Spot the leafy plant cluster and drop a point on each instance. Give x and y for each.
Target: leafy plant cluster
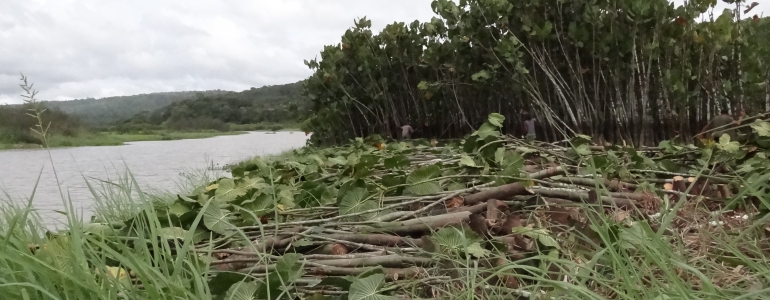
(628, 71)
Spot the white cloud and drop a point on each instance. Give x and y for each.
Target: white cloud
(95, 48)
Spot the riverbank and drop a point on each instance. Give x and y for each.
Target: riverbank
(488, 218)
(115, 139)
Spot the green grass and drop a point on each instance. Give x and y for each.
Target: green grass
(642, 263)
(114, 138)
(86, 263)
(284, 126)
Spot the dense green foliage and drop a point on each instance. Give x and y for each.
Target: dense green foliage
(269, 104)
(621, 71)
(105, 111)
(16, 124)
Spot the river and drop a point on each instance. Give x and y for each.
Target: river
(156, 165)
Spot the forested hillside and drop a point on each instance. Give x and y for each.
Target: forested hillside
(104, 111)
(269, 104)
(621, 71)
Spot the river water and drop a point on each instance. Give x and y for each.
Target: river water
(156, 165)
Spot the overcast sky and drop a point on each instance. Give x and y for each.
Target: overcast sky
(73, 49)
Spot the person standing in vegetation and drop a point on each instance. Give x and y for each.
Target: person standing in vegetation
(406, 132)
(720, 125)
(529, 127)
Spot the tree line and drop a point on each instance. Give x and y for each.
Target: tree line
(622, 71)
(266, 105)
(109, 110)
(16, 124)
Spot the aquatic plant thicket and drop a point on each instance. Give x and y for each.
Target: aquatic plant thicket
(633, 71)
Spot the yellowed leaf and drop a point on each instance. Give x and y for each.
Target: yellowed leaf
(117, 272)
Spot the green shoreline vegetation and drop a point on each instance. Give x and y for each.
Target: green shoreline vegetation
(100, 138)
(114, 121)
(68, 131)
(115, 139)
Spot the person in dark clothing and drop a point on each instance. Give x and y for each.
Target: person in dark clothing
(720, 123)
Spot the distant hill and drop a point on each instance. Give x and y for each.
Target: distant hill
(109, 110)
(268, 104)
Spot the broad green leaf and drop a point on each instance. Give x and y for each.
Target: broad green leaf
(186, 199)
(222, 282)
(477, 251)
(227, 191)
(633, 236)
(316, 159)
(172, 233)
(544, 237)
(216, 219)
(395, 162)
(260, 203)
(726, 145)
(669, 147)
(356, 201)
(496, 119)
(368, 288)
(289, 268)
(419, 181)
(98, 228)
(500, 155)
(487, 130)
(253, 183)
(203, 198)
(243, 290)
(311, 195)
(178, 209)
(467, 161)
(480, 76)
(455, 186)
(285, 196)
(457, 241)
(338, 160)
(513, 158)
(583, 150)
(762, 128)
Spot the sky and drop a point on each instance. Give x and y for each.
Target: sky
(74, 49)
